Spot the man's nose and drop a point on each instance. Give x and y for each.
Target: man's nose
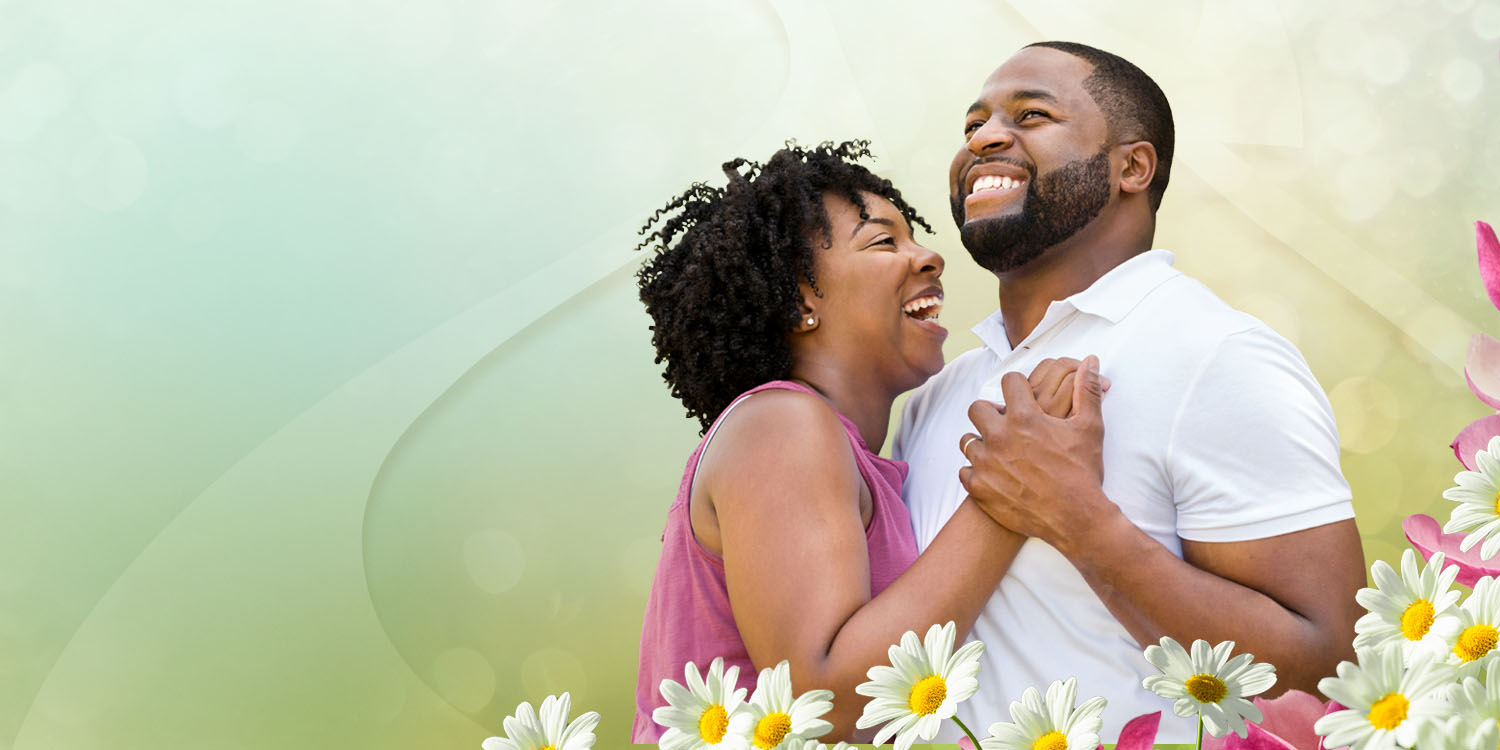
(991, 136)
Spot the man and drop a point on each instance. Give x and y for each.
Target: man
(1215, 508)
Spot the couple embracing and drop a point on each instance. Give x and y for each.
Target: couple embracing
(1065, 526)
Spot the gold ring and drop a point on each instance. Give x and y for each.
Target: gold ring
(964, 449)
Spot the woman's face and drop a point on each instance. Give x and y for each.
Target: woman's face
(881, 294)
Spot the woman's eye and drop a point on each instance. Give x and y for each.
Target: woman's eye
(891, 241)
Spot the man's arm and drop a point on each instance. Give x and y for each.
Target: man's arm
(1287, 599)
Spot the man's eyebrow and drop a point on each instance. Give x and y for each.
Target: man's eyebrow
(876, 220)
(1023, 94)
(1045, 96)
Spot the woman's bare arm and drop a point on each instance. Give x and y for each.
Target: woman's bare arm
(785, 492)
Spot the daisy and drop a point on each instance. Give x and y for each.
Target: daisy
(697, 714)
(1477, 493)
(1459, 732)
(922, 688)
(1053, 724)
(549, 731)
(1417, 610)
(1209, 684)
(1478, 700)
(773, 720)
(1479, 628)
(816, 745)
(1385, 704)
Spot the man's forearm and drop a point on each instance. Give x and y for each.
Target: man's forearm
(1153, 593)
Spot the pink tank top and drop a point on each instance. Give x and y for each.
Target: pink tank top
(687, 613)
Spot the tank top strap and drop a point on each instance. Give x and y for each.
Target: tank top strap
(690, 474)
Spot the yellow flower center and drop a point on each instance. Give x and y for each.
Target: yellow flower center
(713, 724)
(1388, 712)
(927, 695)
(1206, 688)
(547, 747)
(1416, 620)
(770, 731)
(1053, 740)
(1475, 641)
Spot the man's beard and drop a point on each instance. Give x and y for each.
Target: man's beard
(1058, 204)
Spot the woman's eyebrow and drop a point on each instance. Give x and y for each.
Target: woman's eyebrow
(873, 220)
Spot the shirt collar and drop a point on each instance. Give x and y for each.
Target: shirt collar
(1111, 297)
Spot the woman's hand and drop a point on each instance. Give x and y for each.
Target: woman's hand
(1052, 385)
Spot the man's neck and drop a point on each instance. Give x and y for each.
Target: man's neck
(1061, 271)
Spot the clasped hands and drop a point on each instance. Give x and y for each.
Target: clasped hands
(1036, 465)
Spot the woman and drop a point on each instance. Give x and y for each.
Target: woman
(792, 309)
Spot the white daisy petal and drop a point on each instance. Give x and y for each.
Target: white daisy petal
(1387, 702)
(1034, 717)
(922, 688)
(1209, 683)
(530, 730)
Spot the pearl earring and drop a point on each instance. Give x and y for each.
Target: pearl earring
(812, 321)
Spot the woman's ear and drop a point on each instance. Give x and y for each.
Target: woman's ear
(808, 321)
(1139, 168)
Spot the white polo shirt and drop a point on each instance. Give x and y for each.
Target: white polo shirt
(1215, 431)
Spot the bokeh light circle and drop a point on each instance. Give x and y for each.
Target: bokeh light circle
(494, 560)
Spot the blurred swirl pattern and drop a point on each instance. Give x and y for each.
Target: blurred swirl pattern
(329, 416)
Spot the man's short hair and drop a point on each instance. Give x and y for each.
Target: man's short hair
(1133, 105)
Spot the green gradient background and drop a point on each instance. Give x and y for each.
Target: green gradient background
(327, 412)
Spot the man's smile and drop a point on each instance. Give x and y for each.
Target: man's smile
(991, 185)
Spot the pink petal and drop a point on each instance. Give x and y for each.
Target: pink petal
(1426, 534)
(1475, 437)
(1290, 717)
(1482, 369)
(1140, 733)
(1489, 260)
(1211, 742)
(965, 744)
(1257, 739)
(1333, 707)
(1287, 725)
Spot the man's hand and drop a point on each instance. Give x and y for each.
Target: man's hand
(1034, 473)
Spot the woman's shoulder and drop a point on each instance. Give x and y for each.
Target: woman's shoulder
(779, 428)
(782, 408)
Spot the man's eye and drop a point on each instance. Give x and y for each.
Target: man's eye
(1028, 114)
(972, 126)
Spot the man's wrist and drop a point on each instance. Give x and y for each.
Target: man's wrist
(1095, 529)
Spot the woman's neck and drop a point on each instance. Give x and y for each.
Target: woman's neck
(863, 402)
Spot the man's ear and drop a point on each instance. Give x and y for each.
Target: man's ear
(1139, 168)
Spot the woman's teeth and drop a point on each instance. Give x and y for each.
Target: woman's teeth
(924, 308)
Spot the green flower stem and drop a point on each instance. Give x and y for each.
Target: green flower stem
(1200, 732)
(974, 739)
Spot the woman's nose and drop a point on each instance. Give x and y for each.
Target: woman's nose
(927, 261)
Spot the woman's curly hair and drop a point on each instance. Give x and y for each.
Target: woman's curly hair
(725, 295)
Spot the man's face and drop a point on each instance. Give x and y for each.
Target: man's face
(1035, 165)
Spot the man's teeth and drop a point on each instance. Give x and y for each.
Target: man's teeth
(924, 308)
(990, 182)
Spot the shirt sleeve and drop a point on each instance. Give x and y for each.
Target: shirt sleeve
(1254, 450)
